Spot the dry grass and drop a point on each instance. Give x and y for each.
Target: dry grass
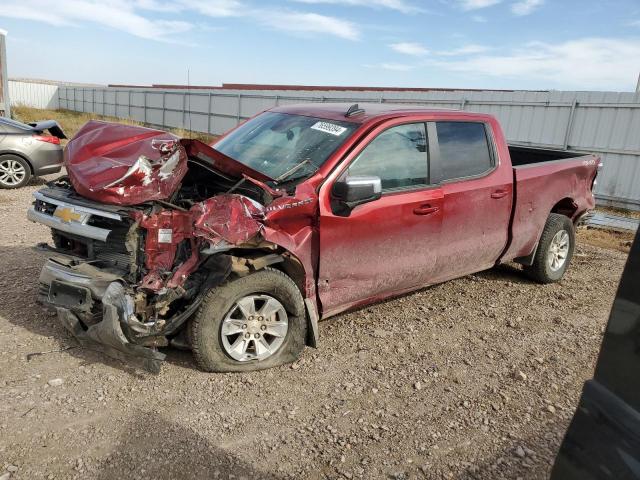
(611, 239)
(72, 121)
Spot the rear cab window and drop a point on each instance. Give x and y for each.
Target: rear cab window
(465, 150)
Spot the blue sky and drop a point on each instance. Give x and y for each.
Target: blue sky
(520, 44)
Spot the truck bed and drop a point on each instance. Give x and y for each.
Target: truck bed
(547, 181)
(521, 155)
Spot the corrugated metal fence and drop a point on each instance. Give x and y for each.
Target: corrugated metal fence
(32, 94)
(607, 123)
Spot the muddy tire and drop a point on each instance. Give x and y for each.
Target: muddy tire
(555, 250)
(249, 323)
(15, 171)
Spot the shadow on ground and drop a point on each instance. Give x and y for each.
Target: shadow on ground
(153, 447)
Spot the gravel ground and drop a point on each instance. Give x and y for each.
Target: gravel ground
(475, 378)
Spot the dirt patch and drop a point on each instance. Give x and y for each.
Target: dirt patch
(475, 378)
(611, 239)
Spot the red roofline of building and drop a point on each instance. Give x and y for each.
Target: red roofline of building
(258, 86)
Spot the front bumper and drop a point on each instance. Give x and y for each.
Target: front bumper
(93, 306)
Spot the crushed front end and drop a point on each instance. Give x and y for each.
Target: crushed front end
(117, 286)
(139, 237)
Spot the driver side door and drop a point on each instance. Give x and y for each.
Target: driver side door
(389, 245)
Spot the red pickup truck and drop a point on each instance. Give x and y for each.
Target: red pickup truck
(237, 250)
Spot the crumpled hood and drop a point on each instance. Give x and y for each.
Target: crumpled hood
(128, 165)
(124, 164)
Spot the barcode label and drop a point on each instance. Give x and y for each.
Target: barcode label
(331, 128)
(165, 235)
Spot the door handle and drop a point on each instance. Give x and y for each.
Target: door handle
(425, 210)
(500, 194)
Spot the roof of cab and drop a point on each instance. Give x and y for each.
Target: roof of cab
(337, 111)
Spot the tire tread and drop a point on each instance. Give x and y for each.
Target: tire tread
(226, 291)
(538, 269)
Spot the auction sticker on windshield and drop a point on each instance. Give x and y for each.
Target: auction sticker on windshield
(327, 127)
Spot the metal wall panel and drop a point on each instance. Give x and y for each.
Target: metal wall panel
(38, 95)
(607, 123)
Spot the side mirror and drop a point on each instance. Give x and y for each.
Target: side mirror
(353, 191)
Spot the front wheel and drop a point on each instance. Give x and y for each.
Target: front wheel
(555, 250)
(250, 323)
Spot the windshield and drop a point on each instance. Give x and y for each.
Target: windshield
(285, 147)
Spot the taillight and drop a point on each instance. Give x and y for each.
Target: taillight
(47, 138)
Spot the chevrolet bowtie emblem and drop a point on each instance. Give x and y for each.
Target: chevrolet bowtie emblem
(66, 214)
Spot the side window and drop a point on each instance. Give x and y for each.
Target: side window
(464, 149)
(398, 156)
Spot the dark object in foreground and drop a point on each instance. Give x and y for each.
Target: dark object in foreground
(603, 440)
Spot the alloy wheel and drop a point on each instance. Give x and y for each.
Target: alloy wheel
(12, 172)
(255, 328)
(558, 250)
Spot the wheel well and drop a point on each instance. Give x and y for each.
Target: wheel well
(287, 263)
(16, 154)
(566, 207)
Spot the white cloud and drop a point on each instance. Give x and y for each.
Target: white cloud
(588, 63)
(464, 50)
(399, 5)
(116, 14)
(418, 50)
(156, 6)
(126, 16)
(409, 48)
(525, 7)
(479, 18)
(477, 4)
(309, 23)
(215, 8)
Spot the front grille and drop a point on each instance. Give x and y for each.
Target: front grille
(84, 229)
(114, 250)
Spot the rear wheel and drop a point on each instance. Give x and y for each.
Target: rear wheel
(250, 323)
(15, 172)
(555, 250)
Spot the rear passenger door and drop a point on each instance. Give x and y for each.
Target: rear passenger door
(477, 197)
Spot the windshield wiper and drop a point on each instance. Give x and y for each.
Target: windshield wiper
(294, 169)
